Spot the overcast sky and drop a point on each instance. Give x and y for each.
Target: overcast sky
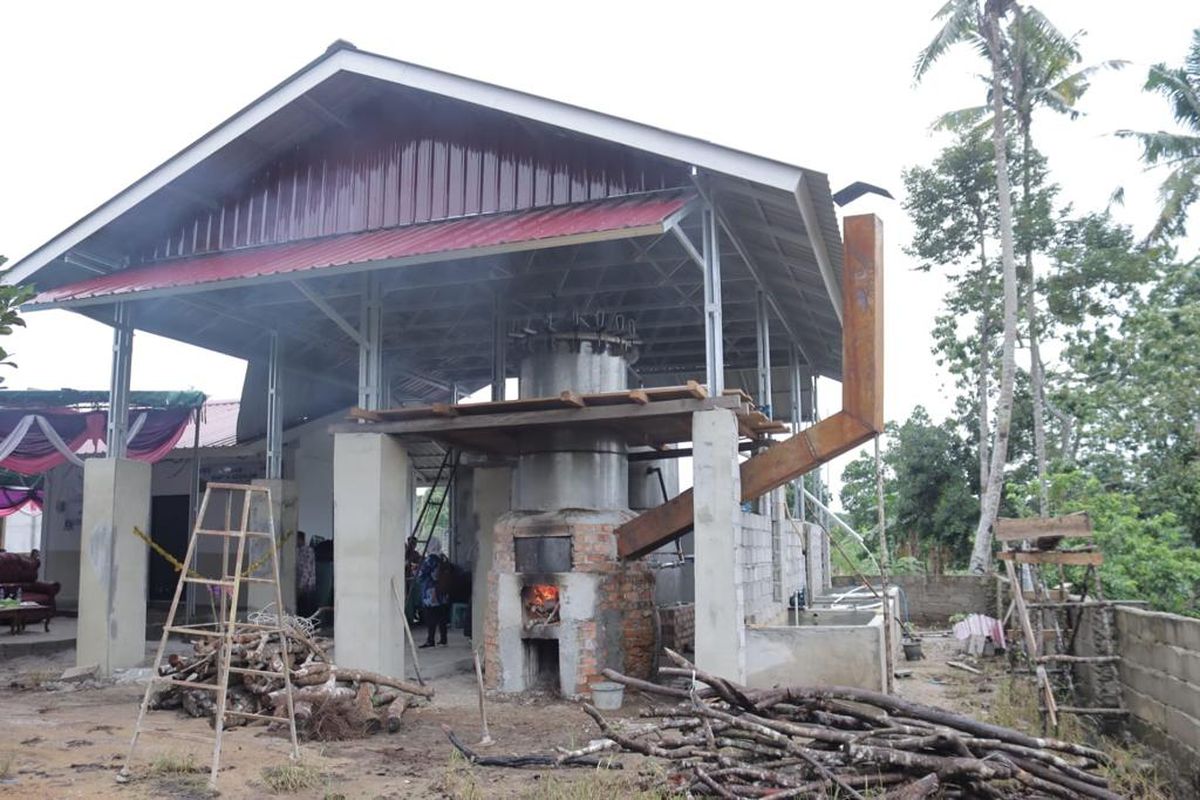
(94, 95)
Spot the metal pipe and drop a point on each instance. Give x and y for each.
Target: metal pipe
(274, 411)
(853, 533)
(118, 392)
(499, 350)
(189, 609)
(762, 324)
(714, 355)
(370, 349)
(889, 666)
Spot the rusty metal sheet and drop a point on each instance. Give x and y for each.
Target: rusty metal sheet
(534, 227)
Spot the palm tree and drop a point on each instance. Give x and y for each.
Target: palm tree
(1178, 151)
(1039, 76)
(1042, 77)
(982, 24)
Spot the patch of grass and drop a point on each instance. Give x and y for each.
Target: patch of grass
(34, 679)
(1135, 773)
(176, 764)
(291, 778)
(458, 781)
(178, 775)
(6, 765)
(596, 785)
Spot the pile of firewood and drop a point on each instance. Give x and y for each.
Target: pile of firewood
(330, 702)
(725, 740)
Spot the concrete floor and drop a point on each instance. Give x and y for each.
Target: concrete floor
(35, 640)
(435, 662)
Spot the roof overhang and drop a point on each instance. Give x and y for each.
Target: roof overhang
(469, 237)
(343, 58)
(783, 236)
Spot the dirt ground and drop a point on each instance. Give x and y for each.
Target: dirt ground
(71, 743)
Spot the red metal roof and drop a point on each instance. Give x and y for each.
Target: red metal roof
(630, 215)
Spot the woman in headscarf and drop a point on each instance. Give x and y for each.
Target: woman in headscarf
(433, 598)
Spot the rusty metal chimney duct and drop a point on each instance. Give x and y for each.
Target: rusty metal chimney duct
(580, 468)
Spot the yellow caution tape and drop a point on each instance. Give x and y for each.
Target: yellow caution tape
(178, 565)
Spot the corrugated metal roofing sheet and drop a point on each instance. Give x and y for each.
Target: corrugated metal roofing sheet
(535, 227)
(218, 426)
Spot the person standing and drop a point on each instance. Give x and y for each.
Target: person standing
(434, 600)
(306, 575)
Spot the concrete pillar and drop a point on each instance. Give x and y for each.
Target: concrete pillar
(720, 603)
(285, 508)
(113, 564)
(492, 497)
(372, 515)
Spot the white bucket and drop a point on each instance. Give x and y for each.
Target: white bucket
(608, 696)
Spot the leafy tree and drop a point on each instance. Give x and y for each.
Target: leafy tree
(1136, 387)
(1146, 556)
(929, 492)
(1180, 151)
(1041, 75)
(953, 207)
(11, 297)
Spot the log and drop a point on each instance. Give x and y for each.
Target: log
(529, 760)
(917, 790)
(724, 739)
(360, 675)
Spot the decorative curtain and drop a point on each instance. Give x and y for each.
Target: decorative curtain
(33, 442)
(14, 498)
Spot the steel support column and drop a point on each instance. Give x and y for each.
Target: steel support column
(370, 348)
(118, 397)
(274, 411)
(762, 321)
(499, 351)
(714, 354)
(798, 506)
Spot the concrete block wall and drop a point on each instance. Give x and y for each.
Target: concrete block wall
(678, 627)
(1160, 684)
(933, 599)
(757, 556)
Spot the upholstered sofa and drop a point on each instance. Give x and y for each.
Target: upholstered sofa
(20, 570)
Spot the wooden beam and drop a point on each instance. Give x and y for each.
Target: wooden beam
(862, 331)
(1072, 525)
(860, 419)
(1075, 559)
(537, 418)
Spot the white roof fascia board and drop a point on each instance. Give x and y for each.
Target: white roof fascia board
(812, 225)
(169, 170)
(591, 123)
(581, 120)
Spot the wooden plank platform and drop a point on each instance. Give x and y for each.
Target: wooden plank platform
(1071, 526)
(650, 417)
(1067, 557)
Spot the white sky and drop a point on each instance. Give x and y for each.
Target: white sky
(94, 95)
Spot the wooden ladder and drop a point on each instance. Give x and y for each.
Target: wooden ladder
(234, 532)
(1040, 538)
